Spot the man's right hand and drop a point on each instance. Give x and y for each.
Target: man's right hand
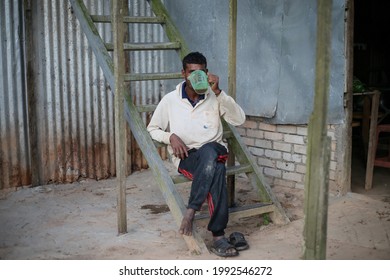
(180, 149)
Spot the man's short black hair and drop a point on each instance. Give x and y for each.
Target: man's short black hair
(194, 58)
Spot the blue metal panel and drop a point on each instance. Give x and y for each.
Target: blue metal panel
(275, 53)
(296, 93)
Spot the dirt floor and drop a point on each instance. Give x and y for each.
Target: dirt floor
(79, 221)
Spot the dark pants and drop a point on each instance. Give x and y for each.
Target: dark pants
(206, 168)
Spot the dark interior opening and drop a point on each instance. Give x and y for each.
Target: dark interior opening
(371, 71)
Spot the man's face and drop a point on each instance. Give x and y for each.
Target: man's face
(191, 68)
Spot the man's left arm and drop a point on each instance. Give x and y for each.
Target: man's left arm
(229, 109)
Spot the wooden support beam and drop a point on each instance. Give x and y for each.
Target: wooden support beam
(128, 19)
(118, 27)
(231, 179)
(152, 76)
(372, 139)
(348, 98)
(146, 46)
(32, 93)
(237, 213)
(318, 149)
(232, 69)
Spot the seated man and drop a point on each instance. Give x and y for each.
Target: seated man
(192, 113)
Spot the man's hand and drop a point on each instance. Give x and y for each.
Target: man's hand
(180, 149)
(214, 83)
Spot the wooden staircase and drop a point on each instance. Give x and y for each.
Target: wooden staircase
(166, 182)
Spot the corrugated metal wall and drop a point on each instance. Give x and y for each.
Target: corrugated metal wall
(68, 103)
(14, 153)
(74, 106)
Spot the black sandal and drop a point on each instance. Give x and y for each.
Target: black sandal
(237, 239)
(222, 246)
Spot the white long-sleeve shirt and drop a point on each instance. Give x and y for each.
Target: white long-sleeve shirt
(196, 125)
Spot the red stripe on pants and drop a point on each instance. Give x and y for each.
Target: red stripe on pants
(186, 173)
(210, 204)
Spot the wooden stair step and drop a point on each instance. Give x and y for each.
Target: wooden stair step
(236, 213)
(128, 19)
(146, 46)
(151, 76)
(146, 108)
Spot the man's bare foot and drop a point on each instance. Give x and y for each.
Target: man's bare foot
(186, 223)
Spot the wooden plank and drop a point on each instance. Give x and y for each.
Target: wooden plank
(152, 76)
(346, 142)
(32, 94)
(128, 19)
(232, 69)
(318, 150)
(372, 143)
(146, 46)
(237, 213)
(120, 129)
(231, 180)
(316, 207)
(254, 210)
(146, 108)
(237, 169)
(366, 122)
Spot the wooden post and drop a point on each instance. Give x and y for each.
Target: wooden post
(348, 98)
(232, 88)
(367, 102)
(118, 29)
(318, 149)
(372, 139)
(31, 81)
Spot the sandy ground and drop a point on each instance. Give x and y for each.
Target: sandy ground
(79, 221)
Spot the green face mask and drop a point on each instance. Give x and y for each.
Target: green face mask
(199, 81)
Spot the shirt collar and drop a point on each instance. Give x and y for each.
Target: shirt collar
(184, 95)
